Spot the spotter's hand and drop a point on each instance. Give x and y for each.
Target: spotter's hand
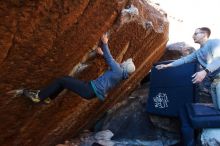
(162, 66)
(199, 76)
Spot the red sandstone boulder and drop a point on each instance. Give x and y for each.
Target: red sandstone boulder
(43, 40)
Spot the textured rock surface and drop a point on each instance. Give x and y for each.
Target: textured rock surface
(177, 50)
(43, 40)
(129, 121)
(130, 124)
(210, 137)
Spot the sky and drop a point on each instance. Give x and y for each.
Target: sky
(187, 15)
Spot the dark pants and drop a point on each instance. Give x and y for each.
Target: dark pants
(187, 131)
(83, 89)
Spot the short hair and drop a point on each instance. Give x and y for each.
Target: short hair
(206, 29)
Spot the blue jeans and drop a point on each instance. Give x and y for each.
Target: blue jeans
(187, 131)
(215, 92)
(83, 89)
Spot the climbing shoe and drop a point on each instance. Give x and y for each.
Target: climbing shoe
(47, 100)
(32, 95)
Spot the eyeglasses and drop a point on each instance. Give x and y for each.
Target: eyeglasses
(196, 33)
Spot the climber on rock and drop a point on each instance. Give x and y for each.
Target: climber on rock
(91, 89)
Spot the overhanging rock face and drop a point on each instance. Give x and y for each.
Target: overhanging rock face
(43, 40)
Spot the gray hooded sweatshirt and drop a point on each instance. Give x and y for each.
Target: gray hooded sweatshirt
(208, 56)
